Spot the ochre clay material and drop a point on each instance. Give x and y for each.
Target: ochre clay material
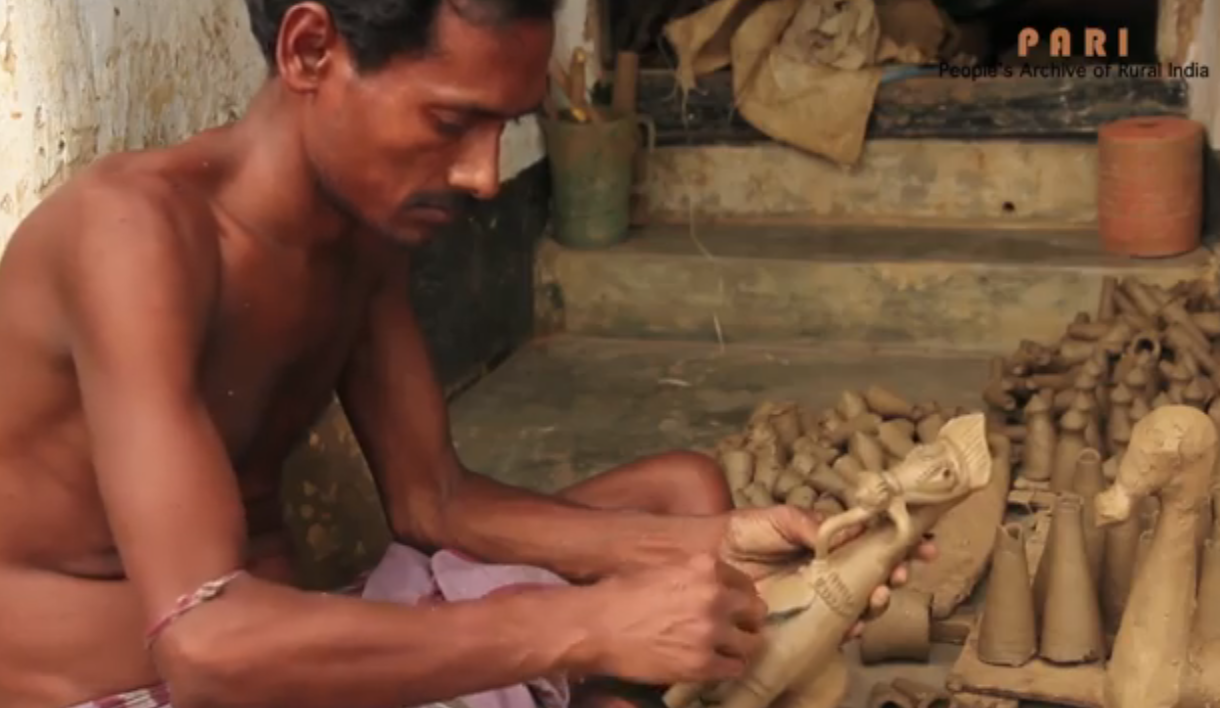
(821, 600)
(1070, 631)
(968, 528)
(848, 467)
(925, 696)
(1118, 419)
(1118, 570)
(1008, 629)
(1207, 615)
(884, 695)
(851, 405)
(1088, 482)
(903, 632)
(823, 688)
(928, 427)
(738, 467)
(1068, 447)
(803, 497)
(1172, 456)
(895, 437)
(886, 403)
(867, 452)
(1038, 453)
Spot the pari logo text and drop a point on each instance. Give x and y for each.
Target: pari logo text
(1062, 43)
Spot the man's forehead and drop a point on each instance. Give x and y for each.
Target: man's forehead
(497, 69)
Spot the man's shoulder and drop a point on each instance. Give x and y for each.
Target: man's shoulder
(126, 205)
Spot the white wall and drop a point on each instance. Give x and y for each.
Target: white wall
(81, 78)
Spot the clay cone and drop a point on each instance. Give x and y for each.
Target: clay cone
(1207, 612)
(1088, 482)
(1071, 619)
(1118, 571)
(1067, 447)
(1008, 628)
(1038, 452)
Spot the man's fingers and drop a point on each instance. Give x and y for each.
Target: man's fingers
(734, 577)
(748, 612)
(926, 551)
(735, 643)
(721, 668)
(900, 575)
(879, 600)
(801, 526)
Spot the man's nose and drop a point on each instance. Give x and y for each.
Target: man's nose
(477, 169)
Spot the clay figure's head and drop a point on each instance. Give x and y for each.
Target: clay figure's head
(396, 107)
(956, 463)
(1172, 454)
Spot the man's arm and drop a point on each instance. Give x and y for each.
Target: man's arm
(138, 292)
(398, 412)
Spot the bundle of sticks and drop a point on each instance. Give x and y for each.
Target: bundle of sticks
(789, 454)
(1145, 347)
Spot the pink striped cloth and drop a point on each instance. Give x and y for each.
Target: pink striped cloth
(407, 576)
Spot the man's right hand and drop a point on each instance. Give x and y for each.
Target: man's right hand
(698, 621)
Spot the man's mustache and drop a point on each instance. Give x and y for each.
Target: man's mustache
(453, 201)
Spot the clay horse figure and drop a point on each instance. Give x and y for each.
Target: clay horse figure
(812, 606)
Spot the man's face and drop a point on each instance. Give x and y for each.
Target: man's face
(407, 148)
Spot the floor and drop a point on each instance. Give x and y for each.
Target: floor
(565, 408)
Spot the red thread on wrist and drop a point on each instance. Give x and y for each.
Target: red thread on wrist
(204, 593)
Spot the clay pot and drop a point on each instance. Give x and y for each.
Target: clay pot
(902, 633)
(1008, 628)
(1070, 631)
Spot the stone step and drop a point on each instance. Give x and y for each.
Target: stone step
(1028, 183)
(957, 290)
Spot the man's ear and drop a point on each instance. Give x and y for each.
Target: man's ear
(309, 45)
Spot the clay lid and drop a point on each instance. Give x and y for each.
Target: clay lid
(1151, 129)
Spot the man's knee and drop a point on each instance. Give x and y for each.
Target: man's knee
(696, 486)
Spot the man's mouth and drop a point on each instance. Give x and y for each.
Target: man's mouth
(431, 214)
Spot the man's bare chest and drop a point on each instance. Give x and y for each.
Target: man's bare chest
(275, 353)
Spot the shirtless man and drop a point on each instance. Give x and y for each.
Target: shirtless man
(172, 321)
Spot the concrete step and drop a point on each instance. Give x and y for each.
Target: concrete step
(1049, 184)
(958, 290)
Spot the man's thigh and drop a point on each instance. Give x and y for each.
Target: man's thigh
(678, 483)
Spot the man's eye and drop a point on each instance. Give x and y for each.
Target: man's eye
(451, 128)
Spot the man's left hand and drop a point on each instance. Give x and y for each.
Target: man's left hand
(762, 542)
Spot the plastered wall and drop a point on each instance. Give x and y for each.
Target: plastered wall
(80, 78)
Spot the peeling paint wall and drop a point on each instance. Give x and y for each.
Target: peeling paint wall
(81, 78)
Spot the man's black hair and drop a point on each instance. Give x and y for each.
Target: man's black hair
(380, 30)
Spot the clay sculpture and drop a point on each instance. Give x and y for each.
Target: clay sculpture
(951, 577)
(814, 605)
(1154, 662)
(1161, 344)
(788, 454)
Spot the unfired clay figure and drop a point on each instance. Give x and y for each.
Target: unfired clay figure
(1155, 663)
(815, 604)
